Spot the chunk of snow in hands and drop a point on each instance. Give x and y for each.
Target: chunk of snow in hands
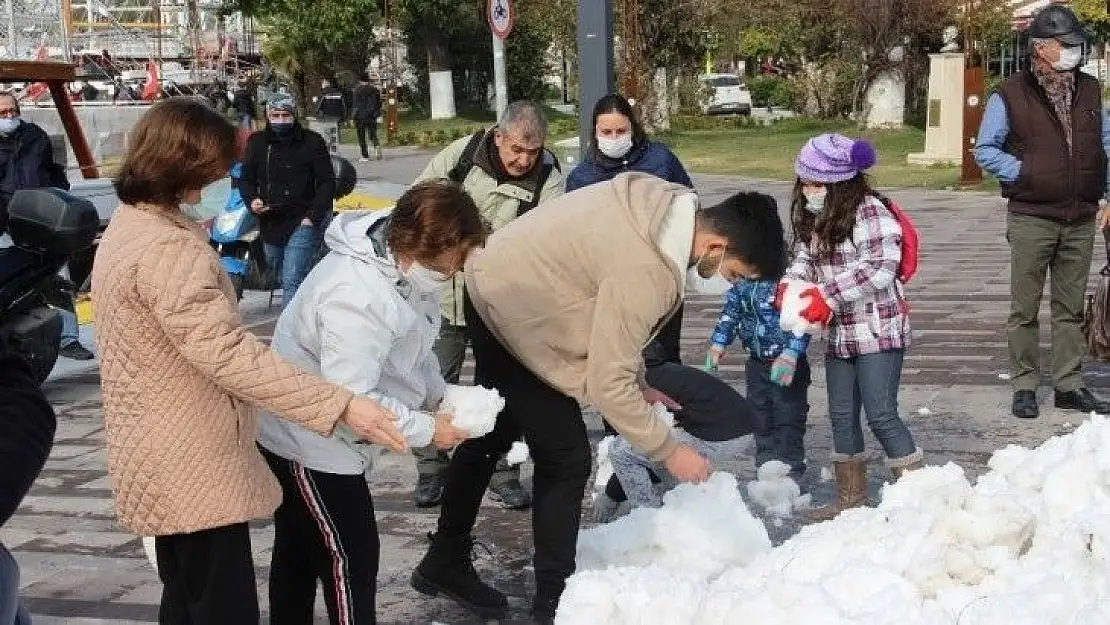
(790, 318)
(518, 454)
(475, 408)
(1028, 544)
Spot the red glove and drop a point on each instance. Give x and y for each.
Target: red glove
(780, 291)
(818, 310)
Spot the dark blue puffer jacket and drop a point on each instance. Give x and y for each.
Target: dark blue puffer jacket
(649, 157)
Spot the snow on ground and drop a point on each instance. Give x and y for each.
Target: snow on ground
(1028, 544)
(775, 491)
(475, 408)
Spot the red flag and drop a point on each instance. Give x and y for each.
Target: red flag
(151, 89)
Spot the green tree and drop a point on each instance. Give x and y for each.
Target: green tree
(1095, 16)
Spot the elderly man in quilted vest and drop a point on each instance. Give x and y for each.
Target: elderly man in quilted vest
(181, 377)
(1045, 136)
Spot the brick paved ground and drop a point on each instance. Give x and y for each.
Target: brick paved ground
(79, 568)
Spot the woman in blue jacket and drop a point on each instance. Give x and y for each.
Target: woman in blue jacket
(620, 144)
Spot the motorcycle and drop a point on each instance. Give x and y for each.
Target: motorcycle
(234, 232)
(47, 227)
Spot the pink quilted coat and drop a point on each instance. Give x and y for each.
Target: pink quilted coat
(181, 378)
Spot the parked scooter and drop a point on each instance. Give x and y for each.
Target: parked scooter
(235, 233)
(47, 227)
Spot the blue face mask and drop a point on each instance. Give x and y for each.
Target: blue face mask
(282, 128)
(8, 125)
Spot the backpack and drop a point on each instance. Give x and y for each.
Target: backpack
(465, 163)
(1096, 316)
(911, 242)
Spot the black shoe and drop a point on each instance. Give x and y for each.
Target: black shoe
(429, 491)
(511, 495)
(1082, 400)
(75, 351)
(447, 570)
(1025, 405)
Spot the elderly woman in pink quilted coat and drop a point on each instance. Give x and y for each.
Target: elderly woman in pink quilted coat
(182, 378)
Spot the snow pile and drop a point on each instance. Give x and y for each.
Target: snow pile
(775, 491)
(793, 303)
(1028, 544)
(475, 408)
(518, 454)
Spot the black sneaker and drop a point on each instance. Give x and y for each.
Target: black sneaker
(75, 351)
(511, 495)
(1082, 400)
(1025, 404)
(447, 569)
(429, 491)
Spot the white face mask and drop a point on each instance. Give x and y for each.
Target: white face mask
(8, 125)
(424, 279)
(1069, 59)
(615, 148)
(815, 201)
(715, 284)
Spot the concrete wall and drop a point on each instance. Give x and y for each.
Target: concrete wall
(106, 127)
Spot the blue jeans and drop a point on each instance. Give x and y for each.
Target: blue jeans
(69, 328)
(292, 262)
(780, 412)
(12, 611)
(869, 382)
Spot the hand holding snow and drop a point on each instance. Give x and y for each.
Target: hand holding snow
(474, 408)
(790, 317)
(1028, 544)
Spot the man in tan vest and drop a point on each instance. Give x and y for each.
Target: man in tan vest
(560, 305)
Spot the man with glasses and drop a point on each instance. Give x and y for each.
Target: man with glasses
(508, 172)
(27, 162)
(288, 181)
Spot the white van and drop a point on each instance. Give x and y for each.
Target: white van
(726, 95)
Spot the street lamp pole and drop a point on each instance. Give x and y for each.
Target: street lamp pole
(974, 92)
(595, 63)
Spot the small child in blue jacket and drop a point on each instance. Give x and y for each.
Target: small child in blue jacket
(778, 374)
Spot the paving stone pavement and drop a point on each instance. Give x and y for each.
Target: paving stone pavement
(80, 568)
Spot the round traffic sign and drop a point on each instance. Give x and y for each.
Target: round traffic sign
(501, 17)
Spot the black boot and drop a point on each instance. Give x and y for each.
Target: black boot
(447, 569)
(429, 491)
(1025, 404)
(1082, 400)
(511, 495)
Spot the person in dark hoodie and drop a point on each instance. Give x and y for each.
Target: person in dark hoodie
(621, 144)
(27, 425)
(288, 181)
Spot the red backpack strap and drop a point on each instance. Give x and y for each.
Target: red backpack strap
(910, 241)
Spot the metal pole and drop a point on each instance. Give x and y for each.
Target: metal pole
(12, 49)
(595, 63)
(500, 81)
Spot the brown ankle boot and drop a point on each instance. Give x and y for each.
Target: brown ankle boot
(898, 472)
(851, 489)
(912, 462)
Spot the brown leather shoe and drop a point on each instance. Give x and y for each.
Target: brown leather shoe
(851, 489)
(898, 472)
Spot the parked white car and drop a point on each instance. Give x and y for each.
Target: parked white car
(726, 94)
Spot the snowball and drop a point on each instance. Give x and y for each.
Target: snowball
(923, 411)
(151, 553)
(773, 489)
(518, 454)
(826, 474)
(475, 408)
(790, 319)
(660, 411)
(1027, 544)
(1003, 376)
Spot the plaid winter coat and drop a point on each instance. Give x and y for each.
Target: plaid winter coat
(859, 282)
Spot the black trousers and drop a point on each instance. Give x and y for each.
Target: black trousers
(670, 337)
(324, 530)
(362, 127)
(552, 425)
(207, 577)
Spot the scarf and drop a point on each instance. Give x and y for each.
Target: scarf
(1060, 89)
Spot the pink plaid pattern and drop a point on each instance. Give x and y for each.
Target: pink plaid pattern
(860, 284)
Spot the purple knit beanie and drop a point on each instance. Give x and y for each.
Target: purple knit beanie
(832, 158)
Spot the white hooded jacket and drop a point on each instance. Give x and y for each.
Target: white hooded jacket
(356, 321)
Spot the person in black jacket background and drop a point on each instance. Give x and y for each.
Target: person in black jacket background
(367, 106)
(288, 181)
(27, 425)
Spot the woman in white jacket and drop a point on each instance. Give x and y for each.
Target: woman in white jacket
(365, 318)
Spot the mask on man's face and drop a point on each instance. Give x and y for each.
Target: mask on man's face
(8, 125)
(705, 277)
(282, 128)
(1070, 56)
(424, 279)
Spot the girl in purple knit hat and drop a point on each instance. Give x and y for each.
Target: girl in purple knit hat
(849, 244)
